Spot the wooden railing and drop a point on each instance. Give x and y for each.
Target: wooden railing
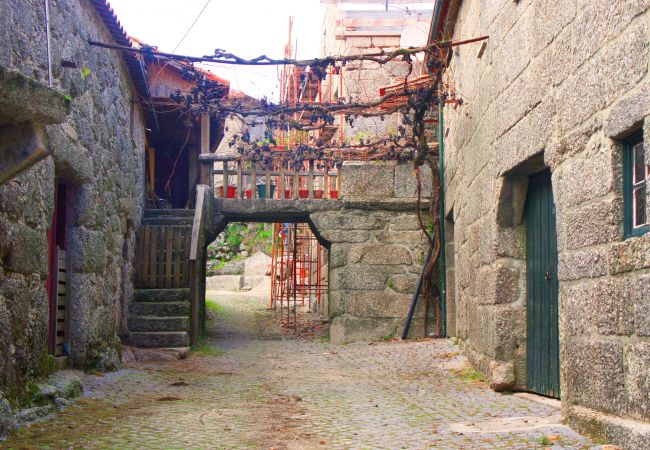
(240, 179)
(197, 262)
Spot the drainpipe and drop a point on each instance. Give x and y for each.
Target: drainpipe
(48, 42)
(439, 16)
(443, 242)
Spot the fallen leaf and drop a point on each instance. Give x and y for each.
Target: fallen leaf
(322, 442)
(554, 438)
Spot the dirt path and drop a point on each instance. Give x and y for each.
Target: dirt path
(253, 385)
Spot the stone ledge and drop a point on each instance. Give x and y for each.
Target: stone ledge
(627, 433)
(25, 100)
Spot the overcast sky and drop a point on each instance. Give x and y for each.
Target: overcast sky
(247, 28)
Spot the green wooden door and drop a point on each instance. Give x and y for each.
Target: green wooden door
(543, 357)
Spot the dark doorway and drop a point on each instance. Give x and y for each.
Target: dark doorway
(543, 368)
(56, 282)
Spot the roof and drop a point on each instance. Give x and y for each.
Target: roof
(133, 64)
(137, 43)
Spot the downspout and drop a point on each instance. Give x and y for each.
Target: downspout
(48, 43)
(437, 27)
(443, 245)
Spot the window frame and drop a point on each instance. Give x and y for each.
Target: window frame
(629, 186)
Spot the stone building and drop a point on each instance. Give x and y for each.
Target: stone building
(546, 203)
(69, 210)
(377, 246)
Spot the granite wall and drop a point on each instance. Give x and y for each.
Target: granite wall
(376, 254)
(559, 85)
(98, 153)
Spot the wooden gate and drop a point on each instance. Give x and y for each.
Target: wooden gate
(162, 256)
(543, 368)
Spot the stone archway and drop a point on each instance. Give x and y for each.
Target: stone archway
(376, 247)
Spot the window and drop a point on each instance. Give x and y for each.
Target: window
(635, 187)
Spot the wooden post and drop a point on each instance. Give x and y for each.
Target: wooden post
(268, 184)
(296, 183)
(253, 180)
(240, 179)
(225, 179)
(281, 184)
(326, 181)
(310, 179)
(205, 176)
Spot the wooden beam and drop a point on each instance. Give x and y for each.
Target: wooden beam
(310, 179)
(268, 184)
(205, 176)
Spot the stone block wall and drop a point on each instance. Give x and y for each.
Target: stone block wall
(98, 153)
(558, 86)
(376, 254)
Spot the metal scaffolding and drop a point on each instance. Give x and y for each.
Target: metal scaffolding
(297, 276)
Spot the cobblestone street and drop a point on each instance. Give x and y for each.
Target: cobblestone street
(253, 385)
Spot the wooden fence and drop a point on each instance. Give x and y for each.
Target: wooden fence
(162, 256)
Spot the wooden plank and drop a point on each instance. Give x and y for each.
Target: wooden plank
(225, 182)
(160, 273)
(205, 149)
(240, 179)
(177, 275)
(170, 255)
(253, 181)
(276, 173)
(267, 194)
(197, 223)
(219, 158)
(296, 185)
(310, 179)
(282, 180)
(153, 251)
(326, 181)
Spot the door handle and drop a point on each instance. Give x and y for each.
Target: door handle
(547, 276)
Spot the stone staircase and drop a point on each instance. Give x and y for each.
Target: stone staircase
(159, 315)
(160, 318)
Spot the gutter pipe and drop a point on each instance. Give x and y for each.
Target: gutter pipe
(437, 28)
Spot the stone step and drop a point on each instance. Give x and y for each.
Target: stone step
(168, 212)
(158, 339)
(154, 323)
(161, 295)
(160, 309)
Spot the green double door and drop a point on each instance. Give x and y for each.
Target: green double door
(543, 357)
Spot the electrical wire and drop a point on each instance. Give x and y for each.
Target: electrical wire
(192, 26)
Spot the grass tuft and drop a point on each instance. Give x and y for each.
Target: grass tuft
(469, 374)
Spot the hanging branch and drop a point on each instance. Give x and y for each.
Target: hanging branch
(223, 57)
(409, 144)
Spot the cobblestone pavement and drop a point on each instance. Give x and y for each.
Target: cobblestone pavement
(253, 385)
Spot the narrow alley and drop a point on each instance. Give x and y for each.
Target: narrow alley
(252, 384)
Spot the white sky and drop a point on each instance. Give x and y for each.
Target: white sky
(247, 28)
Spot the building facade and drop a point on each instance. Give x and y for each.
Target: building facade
(546, 204)
(67, 222)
